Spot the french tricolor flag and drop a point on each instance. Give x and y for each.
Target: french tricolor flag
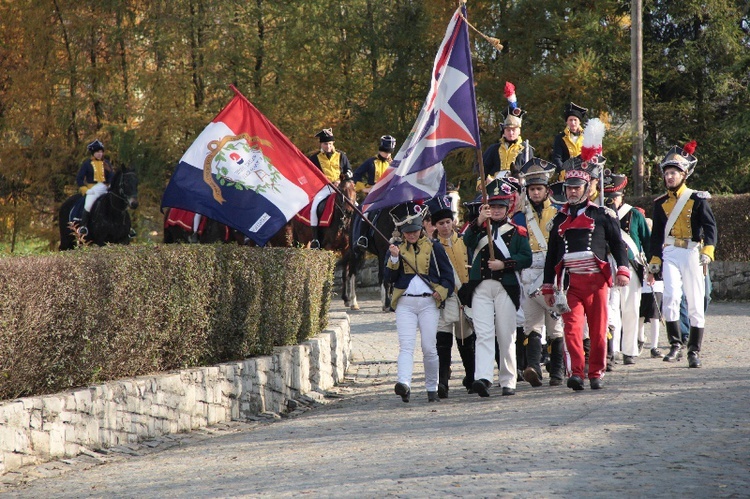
(243, 172)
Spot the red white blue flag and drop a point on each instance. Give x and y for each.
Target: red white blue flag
(243, 172)
(447, 121)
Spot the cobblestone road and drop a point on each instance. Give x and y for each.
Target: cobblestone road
(656, 430)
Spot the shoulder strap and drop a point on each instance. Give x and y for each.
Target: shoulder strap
(681, 202)
(532, 224)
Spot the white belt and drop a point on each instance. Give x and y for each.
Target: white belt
(681, 243)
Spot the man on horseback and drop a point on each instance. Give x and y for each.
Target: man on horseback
(93, 180)
(335, 166)
(368, 175)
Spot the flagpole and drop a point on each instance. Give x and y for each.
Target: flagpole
(377, 231)
(480, 160)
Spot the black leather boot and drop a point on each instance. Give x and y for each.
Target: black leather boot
(557, 362)
(316, 242)
(84, 228)
(521, 362)
(467, 351)
(444, 347)
(694, 346)
(610, 350)
(533, 371)
(675, 342)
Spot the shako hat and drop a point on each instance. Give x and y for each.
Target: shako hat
(500, 192)
(440, 208)
(325, 135)
(408, 216)
(537, 171)
(681, 157)
(387, 143)
(513, 116)
(614, 184)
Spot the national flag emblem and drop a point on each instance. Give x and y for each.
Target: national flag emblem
(448, 120)
(243, 172)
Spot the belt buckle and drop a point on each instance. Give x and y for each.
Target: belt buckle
(681, 243)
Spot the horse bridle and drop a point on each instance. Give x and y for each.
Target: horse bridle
(121, 195)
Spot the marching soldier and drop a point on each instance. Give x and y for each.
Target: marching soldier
(416, 298)
(452, 320)
(496, 290)
(335, 166)
(625, 302)
(577, 268)
(539, 213)
(682, 246)
(568, 143)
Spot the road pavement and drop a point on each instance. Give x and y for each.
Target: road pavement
(656, 430)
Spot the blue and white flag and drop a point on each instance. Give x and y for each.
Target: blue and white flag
(243, 172)
(447, 121)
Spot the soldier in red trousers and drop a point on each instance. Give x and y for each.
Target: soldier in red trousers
(576, 268)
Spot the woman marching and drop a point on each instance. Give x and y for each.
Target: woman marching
(423, 278)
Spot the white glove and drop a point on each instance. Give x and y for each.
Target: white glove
(704, 259)
(654, 268)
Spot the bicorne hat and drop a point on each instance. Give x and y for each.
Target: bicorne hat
(408, 216)
(96, 145)
(574, 109)
(325, 135)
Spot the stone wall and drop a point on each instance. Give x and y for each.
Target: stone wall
(730, 280)
(38, 429)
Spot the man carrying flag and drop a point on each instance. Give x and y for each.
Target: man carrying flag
(448, 120)
(243, 172)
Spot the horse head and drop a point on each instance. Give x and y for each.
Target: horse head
(347, 188)
(125, 187)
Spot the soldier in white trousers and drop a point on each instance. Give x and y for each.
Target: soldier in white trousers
(625, 301)
(682, 245)
(422, 279)
(539, 320)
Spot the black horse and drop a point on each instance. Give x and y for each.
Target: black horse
(377, 246)
(110, 220)
(337, 236)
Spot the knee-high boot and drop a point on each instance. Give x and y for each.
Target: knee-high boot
(557, 362)
(675, 341)
(533, 371)
(467, 351)
(444, 347)
(610, 349)
(521, 361)
(586, 352)
(694, 346)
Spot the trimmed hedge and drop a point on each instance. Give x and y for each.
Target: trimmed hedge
(83, 317)
(732, 215)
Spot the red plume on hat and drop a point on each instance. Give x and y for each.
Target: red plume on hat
(690, 147)
(510, 94)
(592, 139)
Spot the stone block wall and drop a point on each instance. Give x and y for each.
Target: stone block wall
(37, 429)
(730, 280)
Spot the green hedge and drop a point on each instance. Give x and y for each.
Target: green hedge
(83, 317)
(732, 215)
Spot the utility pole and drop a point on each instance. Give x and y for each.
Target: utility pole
(636, 92)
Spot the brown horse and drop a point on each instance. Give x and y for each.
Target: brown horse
(337, 236)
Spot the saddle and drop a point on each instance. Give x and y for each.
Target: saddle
(325, 212)
(76, 212)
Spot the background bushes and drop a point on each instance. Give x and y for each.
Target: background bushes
(83, 317)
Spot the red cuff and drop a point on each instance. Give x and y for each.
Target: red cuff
(624, 271)
(548, 289)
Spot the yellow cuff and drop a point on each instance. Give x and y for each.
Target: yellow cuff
(708, 250)
(655, 260)
(83, 190)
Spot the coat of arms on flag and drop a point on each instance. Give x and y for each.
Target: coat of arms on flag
(243, 172)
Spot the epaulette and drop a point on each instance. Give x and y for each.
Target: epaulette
(703, 194)
(610, 212)
(520, 229)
